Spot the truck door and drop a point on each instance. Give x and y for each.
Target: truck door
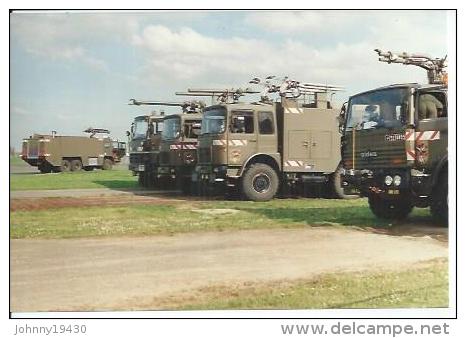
(242, 138)
(267, 132)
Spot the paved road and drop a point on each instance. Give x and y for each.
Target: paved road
(127, 273)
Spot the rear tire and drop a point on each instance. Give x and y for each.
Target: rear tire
(107, 165)
(65, 166)
(439, 204)
(386, 209)
(259, 182)
(338, 191)
(76, 165)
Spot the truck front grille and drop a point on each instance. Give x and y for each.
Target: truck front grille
(205, 155)
(136, 158)
(164, 158)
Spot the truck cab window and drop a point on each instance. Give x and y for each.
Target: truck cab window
(192, 129)
(266, 122)
(242, 122)
(431, 105)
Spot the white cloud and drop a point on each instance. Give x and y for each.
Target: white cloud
(60, 36)
(300, 21)
(186, 56)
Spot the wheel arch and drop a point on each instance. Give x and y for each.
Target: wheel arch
(271, 160)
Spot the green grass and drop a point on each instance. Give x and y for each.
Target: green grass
(16, 160)
(140, 220)
(74, 180)
(424, 286)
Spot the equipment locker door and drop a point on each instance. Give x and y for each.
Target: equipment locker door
(299, 144)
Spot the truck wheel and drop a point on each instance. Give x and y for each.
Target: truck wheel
(89, 168)
(76, 165)
(65, 166)
(395, 210)
(336, 185)
(45, 168)
(142, 179)
(107, 164)
(260, 182)
(439, 204)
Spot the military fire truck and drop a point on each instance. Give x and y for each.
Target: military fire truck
(395, 142)
(256, 148)
(64, 153)
(177, 155)
(144, 146)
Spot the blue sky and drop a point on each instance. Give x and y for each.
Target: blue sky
(73, 70)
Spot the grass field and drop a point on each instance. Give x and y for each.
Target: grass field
(16, 160)
(140, 220)
(74, 180)
(423, 286)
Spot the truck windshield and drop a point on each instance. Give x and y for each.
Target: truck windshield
(213, 121)
(171, 128)
(140, 129)
(382, 108)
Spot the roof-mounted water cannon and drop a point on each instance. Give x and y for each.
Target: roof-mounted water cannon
(230, 95)
(188, 107)
(291, 89)
(94, 131)
(435, 67)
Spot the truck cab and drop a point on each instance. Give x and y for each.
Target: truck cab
(144, 144)
(394, 149)
(178, 155)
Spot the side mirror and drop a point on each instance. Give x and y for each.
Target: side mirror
(128, 133)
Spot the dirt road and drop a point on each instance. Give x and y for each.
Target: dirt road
(126, 273)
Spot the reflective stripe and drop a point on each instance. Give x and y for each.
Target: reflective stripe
(428, 135)
(294, 163)
(293, 110)
(238, 143)
(410, 156)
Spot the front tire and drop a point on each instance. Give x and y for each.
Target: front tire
(439, 204)
(338, 191)
(389, 209)
(45, 168)
(260, 182)
(107, 165)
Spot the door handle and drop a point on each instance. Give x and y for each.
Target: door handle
(305, 143)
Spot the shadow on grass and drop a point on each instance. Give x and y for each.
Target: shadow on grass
(118, 184)
(418, 224)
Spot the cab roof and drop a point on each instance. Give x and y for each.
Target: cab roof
(404, 85)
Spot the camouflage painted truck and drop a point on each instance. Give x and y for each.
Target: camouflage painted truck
(257, 148)
(177, 156)
(144, 146)
(395, 143)
(53, 153)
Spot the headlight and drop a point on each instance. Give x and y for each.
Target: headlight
(139, 149)
(388, 180)
(397, 180)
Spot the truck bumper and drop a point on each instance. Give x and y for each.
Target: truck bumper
(413, 183)
(137, 167)
(220, 174)
(369, 182)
